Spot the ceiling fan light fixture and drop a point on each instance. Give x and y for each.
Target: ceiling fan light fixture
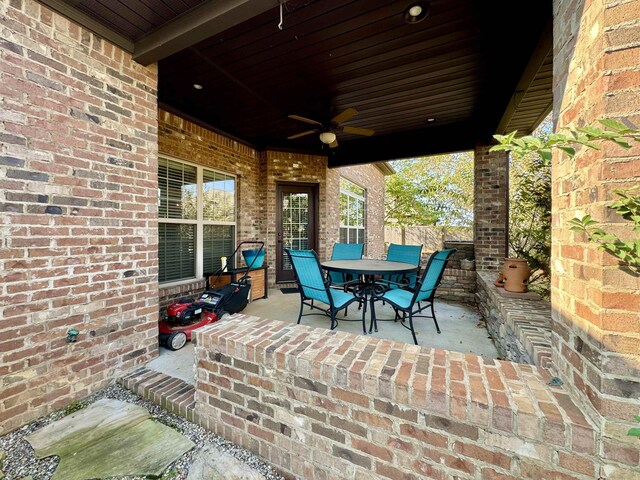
(327, 137)
(416, 12)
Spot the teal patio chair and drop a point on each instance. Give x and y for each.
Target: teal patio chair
(408, 302)
(313, 285)
(344, 251)
(406, 254)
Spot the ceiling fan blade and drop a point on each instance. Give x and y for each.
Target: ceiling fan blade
(345, 115)
(334, 144)
(358, 131)
(298, 135)
(305, 120)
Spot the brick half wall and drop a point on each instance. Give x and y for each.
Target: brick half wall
(322, 404)
(78, 196)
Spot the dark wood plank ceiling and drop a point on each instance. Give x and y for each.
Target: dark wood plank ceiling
(459, 66)
(537, 98)
(462, 66)
(133, 18)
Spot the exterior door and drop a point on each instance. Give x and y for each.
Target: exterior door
(296, 219)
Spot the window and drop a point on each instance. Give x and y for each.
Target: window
(197, 219)
(351, 212)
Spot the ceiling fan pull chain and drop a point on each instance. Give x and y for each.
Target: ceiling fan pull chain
(281, 16)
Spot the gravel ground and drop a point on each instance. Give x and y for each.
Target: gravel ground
(21, 462)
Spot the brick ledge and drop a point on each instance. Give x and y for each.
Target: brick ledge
(525, 317)
(467, 390)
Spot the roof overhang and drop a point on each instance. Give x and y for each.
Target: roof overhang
(467, 66)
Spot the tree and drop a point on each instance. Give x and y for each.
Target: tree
(628, 206)
(530, 212)
(434, 190)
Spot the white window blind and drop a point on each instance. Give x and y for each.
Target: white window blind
(197, 219)
(352, 212)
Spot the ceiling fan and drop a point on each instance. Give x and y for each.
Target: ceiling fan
(328, 130)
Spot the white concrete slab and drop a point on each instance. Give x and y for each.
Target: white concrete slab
(458, 323)
(178, 364)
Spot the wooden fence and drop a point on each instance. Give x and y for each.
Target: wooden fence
(431, 236)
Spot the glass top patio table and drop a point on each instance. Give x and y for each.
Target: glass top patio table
(366, 270)
(368, 267)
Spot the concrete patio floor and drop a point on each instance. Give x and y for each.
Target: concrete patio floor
(458, 323)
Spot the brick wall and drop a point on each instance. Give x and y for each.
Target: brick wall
(167, 295)
(370, 178)
(184, 140)
(78, 180)
(257, 176)
(339, 405)
(596, 329)
(491, 207)
(292, 167)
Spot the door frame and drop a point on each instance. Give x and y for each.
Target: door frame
(314, 217)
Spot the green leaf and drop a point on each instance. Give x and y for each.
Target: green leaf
(622, 143)
(568, 150)
(590, 130)
(634, 432)
(546, 155)
(613, 124)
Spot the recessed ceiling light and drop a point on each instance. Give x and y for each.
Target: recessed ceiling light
(197, 86)
(431, 119)
(416, 12)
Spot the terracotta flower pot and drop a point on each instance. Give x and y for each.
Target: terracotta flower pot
(500, 280)
(516, 273)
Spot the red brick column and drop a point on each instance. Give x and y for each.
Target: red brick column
(596, 338)
(78, 203)
(491, 207)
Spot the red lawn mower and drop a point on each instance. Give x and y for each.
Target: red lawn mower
(185, 315)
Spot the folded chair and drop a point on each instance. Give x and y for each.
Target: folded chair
(408, 301)
(313, 285)
(344, 251)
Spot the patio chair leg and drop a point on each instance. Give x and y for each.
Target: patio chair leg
(433, 314)
(301, 307)
(413, 332)
(334, 322)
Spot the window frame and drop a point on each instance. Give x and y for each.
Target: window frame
(363, 199)
(199, 222)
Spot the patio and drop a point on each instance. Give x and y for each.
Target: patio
(120, 128)
(461, 330)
